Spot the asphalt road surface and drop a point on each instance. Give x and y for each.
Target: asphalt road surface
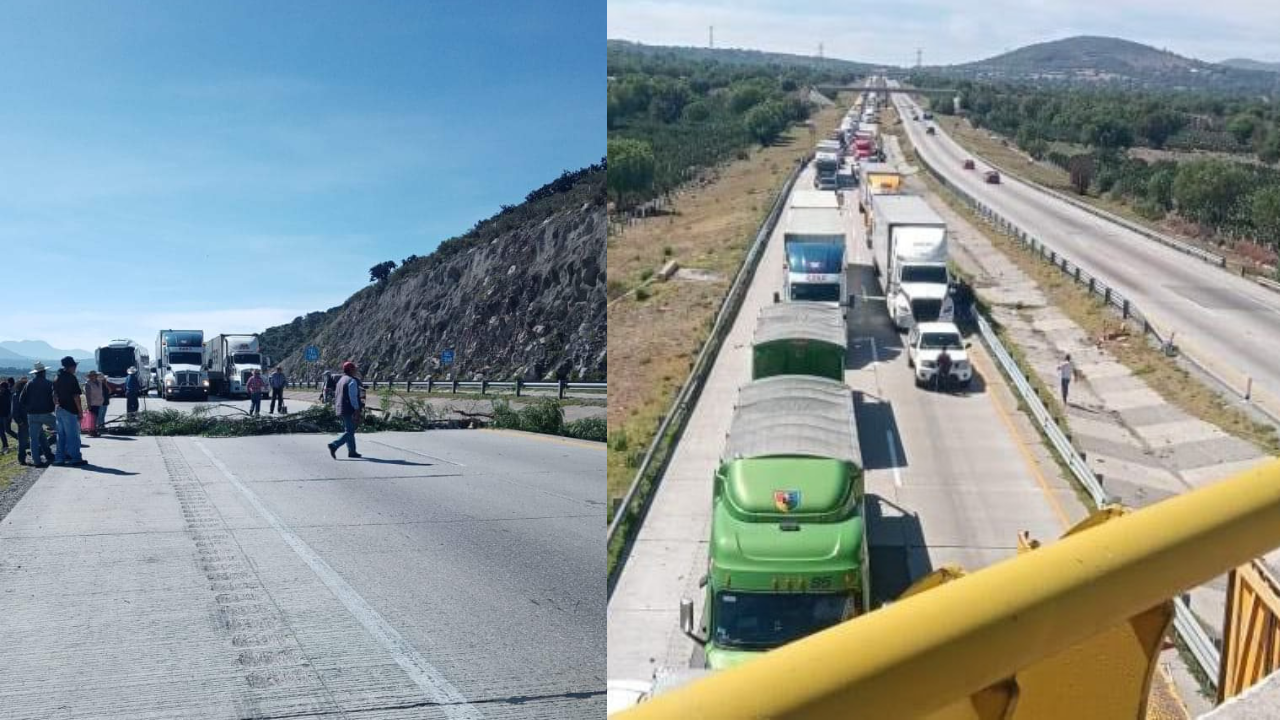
(1229, 323)
(448, 574)
(951, 478)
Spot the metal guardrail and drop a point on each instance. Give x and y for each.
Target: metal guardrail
(482, 387)
(635, 504)
(1198, 642)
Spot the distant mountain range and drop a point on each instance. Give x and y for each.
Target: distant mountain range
(1247, 64)
(1079, 60)
(23, 353)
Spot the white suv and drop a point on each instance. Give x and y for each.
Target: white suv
(925, 343)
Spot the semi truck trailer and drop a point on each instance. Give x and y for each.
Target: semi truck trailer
(909, 249)
(230, 360)
(799, 339)
(814, 242)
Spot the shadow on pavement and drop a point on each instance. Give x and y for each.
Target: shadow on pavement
(384, 461)
(878, 436)
(105, 470)
(115, 437)
(896, 549)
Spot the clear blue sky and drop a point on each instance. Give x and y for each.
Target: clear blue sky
(226, 166)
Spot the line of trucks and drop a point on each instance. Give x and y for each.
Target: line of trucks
(185, 364)
(837, 158)
(788, 552)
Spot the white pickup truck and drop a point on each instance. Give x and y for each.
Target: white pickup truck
(925, 344)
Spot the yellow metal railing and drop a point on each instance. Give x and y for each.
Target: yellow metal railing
(969, 637)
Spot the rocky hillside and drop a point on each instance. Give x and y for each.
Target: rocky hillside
(521, 294)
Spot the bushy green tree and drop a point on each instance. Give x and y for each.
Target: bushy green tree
(1242, 127)
(1264, 206)
(1160, 188)
(630, 168)
(766, 121)
(1208, 191)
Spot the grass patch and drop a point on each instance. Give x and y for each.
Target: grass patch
(9, 467)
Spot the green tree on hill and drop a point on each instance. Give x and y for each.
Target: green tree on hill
(766, 121)
(630, 168)
(1208, 191)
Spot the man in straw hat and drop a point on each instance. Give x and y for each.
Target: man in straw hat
(38, 401)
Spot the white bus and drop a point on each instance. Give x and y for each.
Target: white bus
(114, 360)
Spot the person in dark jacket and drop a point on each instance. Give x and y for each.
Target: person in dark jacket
(19, 415)
(132, 388)
(277, 381)
(67, 392)
(346, 403)
(37, 400)
(6, 410)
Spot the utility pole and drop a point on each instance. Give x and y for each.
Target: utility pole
(711, 37)
(918, 51)
(819, 53)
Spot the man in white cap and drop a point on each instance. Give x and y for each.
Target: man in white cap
(132, 388)
(37, 398)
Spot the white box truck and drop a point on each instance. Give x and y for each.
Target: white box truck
(909, 249)
(230, 360)
(180, 364)
(814, 242)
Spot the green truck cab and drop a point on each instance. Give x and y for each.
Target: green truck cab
(799, 339)
(788, 553)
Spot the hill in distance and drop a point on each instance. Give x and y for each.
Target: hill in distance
(1247, 64)
(739, 56)
(1087, 59)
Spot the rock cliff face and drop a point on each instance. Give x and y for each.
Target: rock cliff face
(522, 295)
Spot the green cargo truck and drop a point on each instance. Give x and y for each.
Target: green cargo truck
(788, 554)
(799, 339)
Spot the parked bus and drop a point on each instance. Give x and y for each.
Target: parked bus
(114, 360)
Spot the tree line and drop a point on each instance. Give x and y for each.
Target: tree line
(670, 114)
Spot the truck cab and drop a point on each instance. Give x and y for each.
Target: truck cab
(180, 370)
(788, 555)
(922, 294)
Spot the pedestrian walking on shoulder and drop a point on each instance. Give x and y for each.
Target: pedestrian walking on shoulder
(68, 396)
(132, 389)
(6, 411)
(95, 393)
(277, 381)
(1066, 372)
(346, 403)
(38, 401)
(255, 386)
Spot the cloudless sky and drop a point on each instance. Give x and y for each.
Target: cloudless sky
(227, 166)
(951, 31)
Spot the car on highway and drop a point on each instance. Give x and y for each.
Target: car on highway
(968, 164)
(925, 344)
(992, 177)
(931, 130)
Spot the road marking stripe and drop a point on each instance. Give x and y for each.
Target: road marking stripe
(423, 673)
(893, 457)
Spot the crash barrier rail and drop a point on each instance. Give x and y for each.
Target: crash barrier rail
(1251, 637)
(1111, 297)
(1199, 644)
(631, 511)
(976, 634)
(519, 387)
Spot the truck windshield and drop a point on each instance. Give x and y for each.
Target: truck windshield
(924, 274)
(115, 362)
(246, 359)
(184, 358)
(815, 292)
(939, 340)
(815, 258)
(181, 338)
(926, 310)
(767, 620)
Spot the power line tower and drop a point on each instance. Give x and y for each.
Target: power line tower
(711, 37)
(918, 52)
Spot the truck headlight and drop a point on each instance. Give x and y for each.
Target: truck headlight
(168, 381)
(206, 383)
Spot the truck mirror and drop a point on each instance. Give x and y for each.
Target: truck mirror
(968, 344)
(777, 297)
(686, 616)
(702, 581)
(852, 298)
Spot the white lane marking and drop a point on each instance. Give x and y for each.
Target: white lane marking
(893, 457)
(423, 673)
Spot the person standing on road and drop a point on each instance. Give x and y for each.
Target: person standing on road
(346, 402)
(944, 369)
(6, 411)
(132, 388)
(277, 380)
(1066, 371)
(95, 393)
(255, 386)
(37, 400)
(67, 393)
(19, 415)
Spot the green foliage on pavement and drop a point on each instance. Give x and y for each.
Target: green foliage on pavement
(546, 416)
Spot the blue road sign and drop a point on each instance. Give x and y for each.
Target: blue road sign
(313, 353)
(446, 357)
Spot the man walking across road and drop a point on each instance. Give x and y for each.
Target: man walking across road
(255, 386)
(1066, 371)
(277, 381)
(37, 400)
(346, 403)
(67, 393)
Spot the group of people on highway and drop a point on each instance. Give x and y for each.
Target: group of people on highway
(256, 385)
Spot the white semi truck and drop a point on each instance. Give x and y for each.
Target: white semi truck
(909, 249)
(826, 161)
(230, 360)
(180, 364)
(814, 242)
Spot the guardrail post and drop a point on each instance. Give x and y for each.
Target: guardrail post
(1106, 296)
(1125, 309)
(1077, 274)
(1146, 326)
(408, 386)
(455, 386)
(564, 385)
(1248, 387)
(519, 385)
(431, 381)
(1090, 286)
(484, 386)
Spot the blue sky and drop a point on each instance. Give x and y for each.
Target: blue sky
(950, 31)
(227, 166)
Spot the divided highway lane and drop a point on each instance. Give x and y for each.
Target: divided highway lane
(449, 574)
(947, 480)
(1229, 323)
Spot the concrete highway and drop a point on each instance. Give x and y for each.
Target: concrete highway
(1226, 322)
(951, 478)
(448, 574)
